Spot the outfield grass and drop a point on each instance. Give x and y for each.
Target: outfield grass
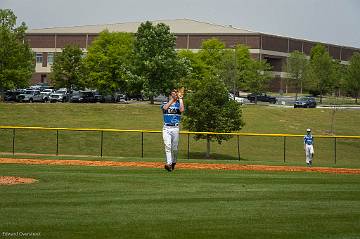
(258, 119)
(106, 202)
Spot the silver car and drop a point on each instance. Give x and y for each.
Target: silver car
(56, 97)
(28, 96)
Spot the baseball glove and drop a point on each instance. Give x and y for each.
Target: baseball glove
(181, 92)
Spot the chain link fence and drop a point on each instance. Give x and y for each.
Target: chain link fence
(246, 147)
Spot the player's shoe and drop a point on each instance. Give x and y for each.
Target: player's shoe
(173, 166)
(168, 167)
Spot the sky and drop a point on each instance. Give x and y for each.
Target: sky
(327, 21)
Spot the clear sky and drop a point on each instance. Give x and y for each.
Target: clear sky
(328, 21)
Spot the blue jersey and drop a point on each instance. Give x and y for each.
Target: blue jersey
(308, 139)
(172, 115)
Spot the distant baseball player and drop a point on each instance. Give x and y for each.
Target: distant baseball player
(308, 147)
(172, 115)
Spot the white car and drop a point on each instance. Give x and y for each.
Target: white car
(47, 91)
(161, 98)
(46, 94)
(240, 100)
(56, 97)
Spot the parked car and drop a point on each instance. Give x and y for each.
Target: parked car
(240, 100)
(121, 98)
(161, 98)
(61, 95)
(46, 93)
(28, 96)
(56, 97)
(11, 95)
(83, 97)
(305, 102)
(104, 98)
(134, 96)
(42, 97)
(261, 97)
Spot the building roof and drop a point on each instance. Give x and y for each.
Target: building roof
(177, 26)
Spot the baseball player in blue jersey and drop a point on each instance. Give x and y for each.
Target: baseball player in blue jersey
(172, 115)
(308, 147)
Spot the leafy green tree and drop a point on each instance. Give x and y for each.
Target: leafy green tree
(211, 55)
(240, 71)
(110, 64)
(68, 68)
(258, 77)
(297, 65)
(321, 73)
(16, 57)
(339, 75)
(353, 76)
(197, 69)
(209, 109)
(156, 59)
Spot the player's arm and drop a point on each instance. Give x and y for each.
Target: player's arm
(168, 104)
(182, 108)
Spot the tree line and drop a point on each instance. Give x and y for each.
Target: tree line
(320, 74)
(146, 62)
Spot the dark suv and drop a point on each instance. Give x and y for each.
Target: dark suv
(11, 95)
(261, 97)
(83, 97)
(305, 102)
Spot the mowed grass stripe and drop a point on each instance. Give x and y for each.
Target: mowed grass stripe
(107, 202)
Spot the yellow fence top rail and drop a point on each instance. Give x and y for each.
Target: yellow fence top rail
(182, 132)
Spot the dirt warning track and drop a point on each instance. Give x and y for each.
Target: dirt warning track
(181, 165)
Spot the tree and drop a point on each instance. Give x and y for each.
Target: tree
(258, 77)
(339, 75)
(16, 57)
(208, 107)
(321, 70)
(202, 64)
(296, 68)
(110, 64)
(211, 55)
(68, 69)
(240, 71)
(156, 59)
(196, 69)
(353, 76)
(211, 110)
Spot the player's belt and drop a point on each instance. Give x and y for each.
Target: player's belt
(171, 124)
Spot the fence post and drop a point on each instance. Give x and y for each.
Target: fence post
(101, 144)
(188, 146)
(57, 142)
(13, 142)
(284, 148)
(238, 144)
(142, 144)
(335, 149)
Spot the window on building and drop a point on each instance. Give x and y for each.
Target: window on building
(50, 58)
(39, 57)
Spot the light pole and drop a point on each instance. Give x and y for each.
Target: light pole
(235, 70)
